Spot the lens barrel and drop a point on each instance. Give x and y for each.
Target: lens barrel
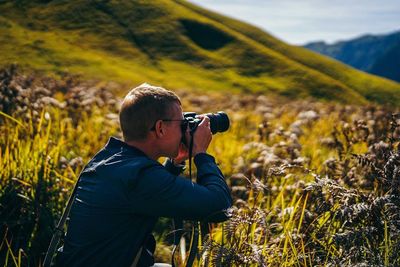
(219, 122)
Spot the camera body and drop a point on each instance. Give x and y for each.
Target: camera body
(219, 122)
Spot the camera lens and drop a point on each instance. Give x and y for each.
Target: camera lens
(219, 122)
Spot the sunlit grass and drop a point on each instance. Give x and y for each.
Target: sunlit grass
(268, 162)
(103, 42)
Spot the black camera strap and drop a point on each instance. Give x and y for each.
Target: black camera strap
(194, 239)
(178, 224)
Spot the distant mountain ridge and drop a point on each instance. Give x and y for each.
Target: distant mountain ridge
(177, 45)
(376, 54)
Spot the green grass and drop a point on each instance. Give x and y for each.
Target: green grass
(130, 43)
(370, 87)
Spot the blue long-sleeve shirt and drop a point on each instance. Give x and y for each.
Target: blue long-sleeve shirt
(120, 195)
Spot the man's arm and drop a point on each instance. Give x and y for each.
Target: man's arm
(161, 194)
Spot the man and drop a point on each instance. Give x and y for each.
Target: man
(123, 189)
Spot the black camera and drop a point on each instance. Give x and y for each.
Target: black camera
(219, 122)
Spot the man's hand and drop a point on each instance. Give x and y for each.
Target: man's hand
(201, 140)
(202, 136)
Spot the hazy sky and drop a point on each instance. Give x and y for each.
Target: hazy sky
(301, 21)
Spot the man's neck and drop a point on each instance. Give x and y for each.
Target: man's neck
(146, 147)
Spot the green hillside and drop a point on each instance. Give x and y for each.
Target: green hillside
(174, 44)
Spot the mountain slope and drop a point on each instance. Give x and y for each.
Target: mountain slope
(388, 65)
(374, 54)
(175, 44)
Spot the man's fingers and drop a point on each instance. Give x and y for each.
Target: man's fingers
(205, 121)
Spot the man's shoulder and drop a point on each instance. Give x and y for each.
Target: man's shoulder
(141, 163)
(132, 164)
(117, 155)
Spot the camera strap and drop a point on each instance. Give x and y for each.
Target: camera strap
(194, 239)
(178, 224)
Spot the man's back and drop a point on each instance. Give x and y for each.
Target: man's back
(102, 230)
(120, 195)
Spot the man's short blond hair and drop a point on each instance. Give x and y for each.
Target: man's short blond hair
(142, 107)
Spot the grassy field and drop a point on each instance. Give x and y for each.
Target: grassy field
(162, 42)
(314, 184)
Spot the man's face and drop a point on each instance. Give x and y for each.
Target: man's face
(173, 131)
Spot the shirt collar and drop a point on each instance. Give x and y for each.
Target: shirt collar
(117, 144)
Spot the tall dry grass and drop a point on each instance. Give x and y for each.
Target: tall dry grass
(314, 184)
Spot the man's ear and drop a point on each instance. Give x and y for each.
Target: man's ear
(159, 129)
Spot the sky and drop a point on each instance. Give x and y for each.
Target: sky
(301, 21)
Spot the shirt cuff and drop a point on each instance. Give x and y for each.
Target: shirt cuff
(203, 158)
